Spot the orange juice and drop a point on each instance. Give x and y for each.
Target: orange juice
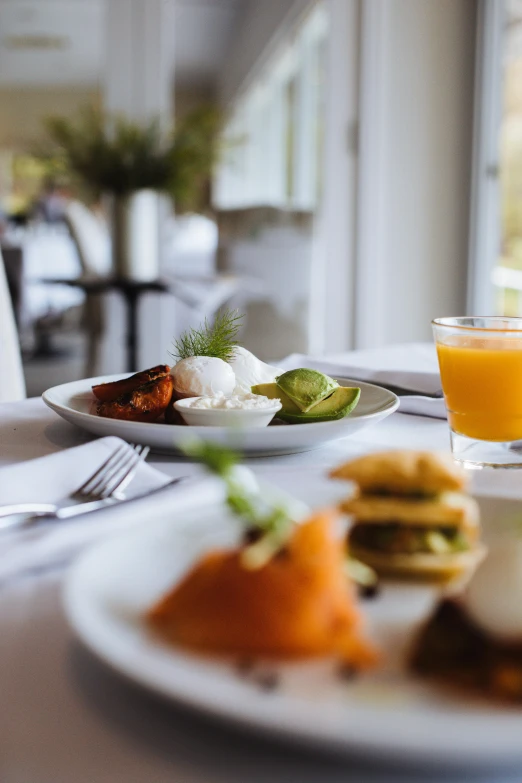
(482, 383)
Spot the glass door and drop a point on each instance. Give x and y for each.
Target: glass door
(507, 274)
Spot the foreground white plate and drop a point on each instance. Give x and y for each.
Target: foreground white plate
(388, 714)
(73, 402)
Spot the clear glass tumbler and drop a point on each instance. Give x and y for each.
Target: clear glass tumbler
(480, 361)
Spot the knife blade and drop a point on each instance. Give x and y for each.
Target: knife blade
(400, 391)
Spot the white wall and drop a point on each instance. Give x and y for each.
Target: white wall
(261, 25)
(412, 168)
(137, 82)
(415, 166)
(24, 110)
(332, 312)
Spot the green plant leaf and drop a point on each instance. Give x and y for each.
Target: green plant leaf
(111, 154)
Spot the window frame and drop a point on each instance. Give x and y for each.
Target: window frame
(485, 227)
(279, 137)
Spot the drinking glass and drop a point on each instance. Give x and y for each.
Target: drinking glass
(480, 361)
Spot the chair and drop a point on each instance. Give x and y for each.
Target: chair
(12, 384)
(13, 265)
(93, 246)
(91, 238)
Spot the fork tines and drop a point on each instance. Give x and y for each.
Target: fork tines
(111, 474)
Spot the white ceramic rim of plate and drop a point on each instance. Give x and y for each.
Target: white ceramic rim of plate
(387, 408)
(365, 730)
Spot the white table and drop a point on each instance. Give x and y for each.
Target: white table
(67, 719)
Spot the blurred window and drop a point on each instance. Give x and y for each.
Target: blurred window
(273, 136)
(495, 280)
(508, 272)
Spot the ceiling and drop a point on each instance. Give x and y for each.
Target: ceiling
(50, 42)
(57, 43)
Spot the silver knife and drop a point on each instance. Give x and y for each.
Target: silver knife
(23, 514)
(400, 391)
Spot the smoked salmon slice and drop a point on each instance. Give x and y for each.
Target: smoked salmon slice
(298, 605)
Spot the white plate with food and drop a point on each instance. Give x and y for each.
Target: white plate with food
(218, 389)
(386, 713)
(75, 403)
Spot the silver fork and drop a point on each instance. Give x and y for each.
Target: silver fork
(108, 481)
(114, 475)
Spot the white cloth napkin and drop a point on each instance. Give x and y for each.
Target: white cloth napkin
(49, 479)
(52, 478)
(374, 369)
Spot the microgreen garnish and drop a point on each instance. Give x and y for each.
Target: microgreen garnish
(217, 459)
(272, 521)
(364, 577)
(217, 339)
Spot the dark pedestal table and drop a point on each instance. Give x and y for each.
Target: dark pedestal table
(131, 291)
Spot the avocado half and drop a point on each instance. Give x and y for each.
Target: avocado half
(339, 404)
(306, 388)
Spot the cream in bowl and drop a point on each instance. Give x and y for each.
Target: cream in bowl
(239, 410)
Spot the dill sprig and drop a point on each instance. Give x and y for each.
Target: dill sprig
(217, 339)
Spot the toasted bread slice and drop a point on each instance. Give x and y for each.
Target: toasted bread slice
(404, 472)
(298, 605)
(421, 565)
(106, 392)
(172, 416)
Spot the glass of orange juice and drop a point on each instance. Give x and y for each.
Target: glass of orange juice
(480, 361)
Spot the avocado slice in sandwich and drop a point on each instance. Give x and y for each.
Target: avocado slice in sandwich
(410, 515)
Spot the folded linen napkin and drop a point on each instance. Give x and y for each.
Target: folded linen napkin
(390, 367)
(52, 478)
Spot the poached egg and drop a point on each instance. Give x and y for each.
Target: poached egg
(203, 376)
(250, 371)
(493, 597)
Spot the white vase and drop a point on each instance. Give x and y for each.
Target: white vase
(135, 235)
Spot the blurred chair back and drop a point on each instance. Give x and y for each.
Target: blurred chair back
(94, 250)
(12, 385)
(91, 238)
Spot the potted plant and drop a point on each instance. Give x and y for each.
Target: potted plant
(135, 164)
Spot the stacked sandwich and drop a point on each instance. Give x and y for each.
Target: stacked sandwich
(411, 516)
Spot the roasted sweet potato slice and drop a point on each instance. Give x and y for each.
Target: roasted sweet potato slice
(171, 414)
(146, 403)
(105, 392)
(298, 605)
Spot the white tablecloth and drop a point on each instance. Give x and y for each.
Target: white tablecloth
(67, 719)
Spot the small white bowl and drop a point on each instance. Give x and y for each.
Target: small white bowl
(226, 417)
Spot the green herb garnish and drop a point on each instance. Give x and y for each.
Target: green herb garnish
(217, 459)
(360, 573)
(217, 339)
(272, 521)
